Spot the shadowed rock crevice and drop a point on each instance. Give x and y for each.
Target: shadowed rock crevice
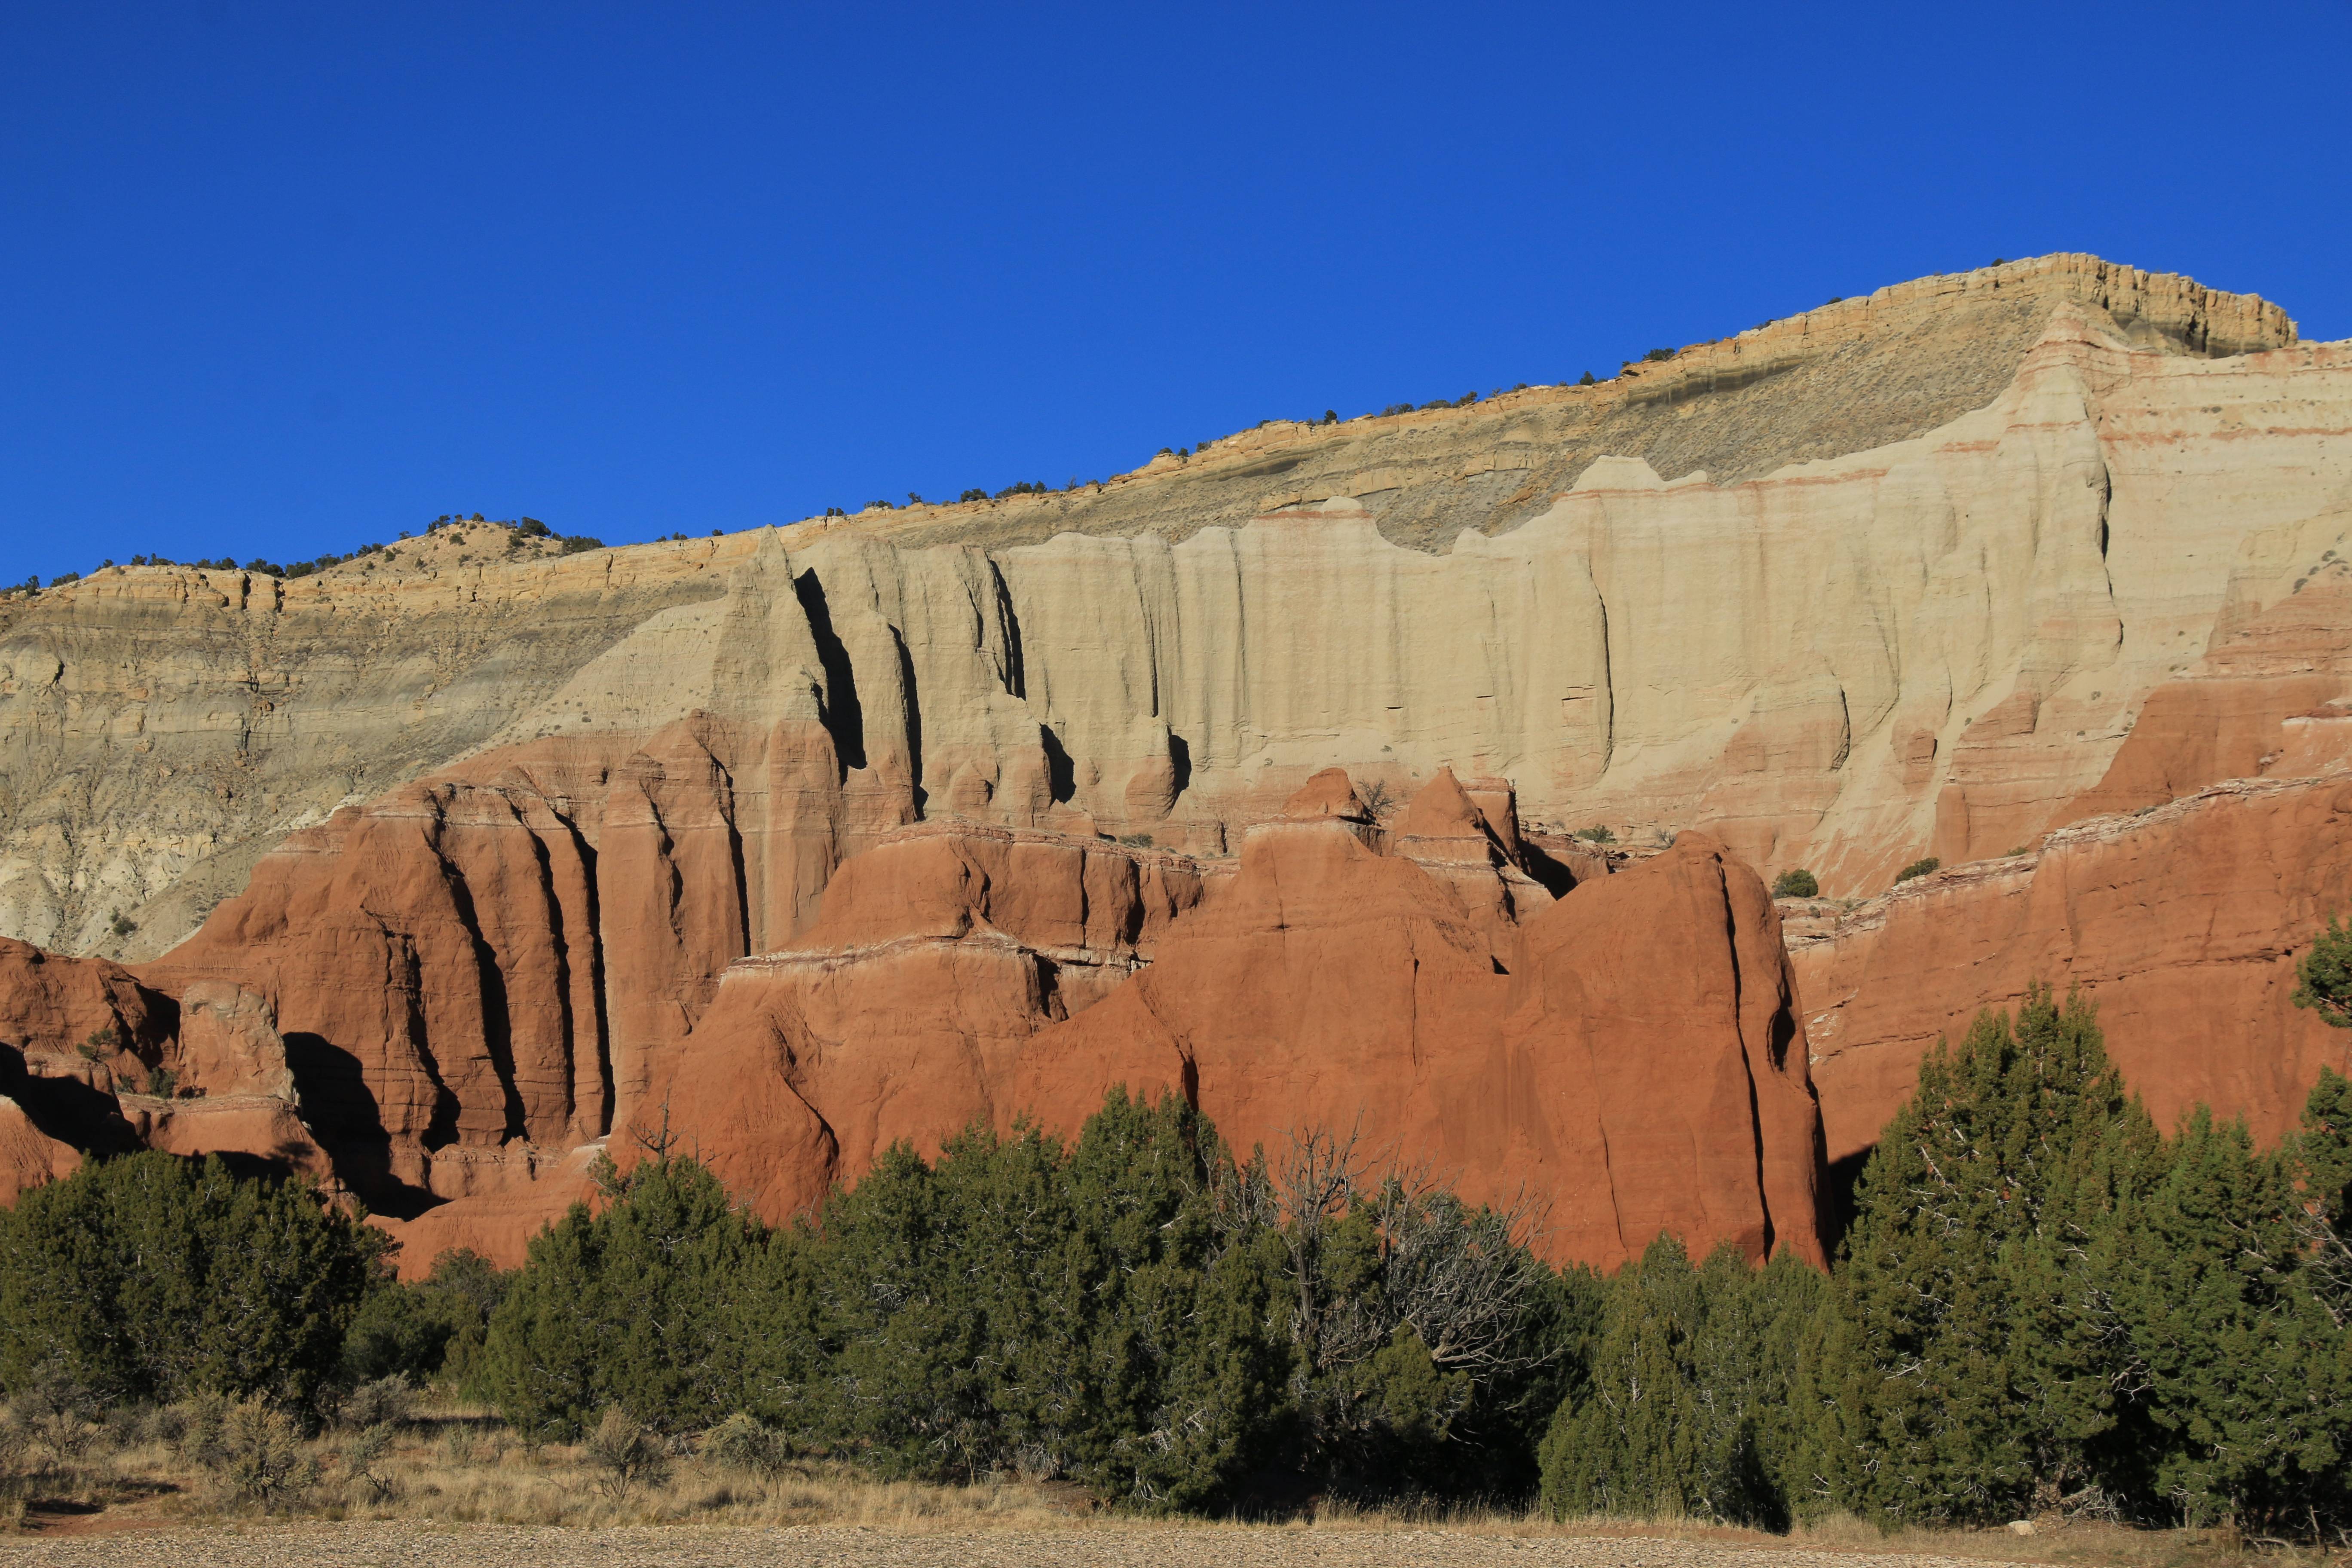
(498, 1032)
(914, 702)
(843, 715)
(1061, 772)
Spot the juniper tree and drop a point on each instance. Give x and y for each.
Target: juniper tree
(429, 1329)
(628, 1308)
(149, 1277)
(2319, 1163)
(1096, 1314)
(2235, 1355)
(1971, 1367)
(1687, 1410)
(1429, 1343)
(2326, 972)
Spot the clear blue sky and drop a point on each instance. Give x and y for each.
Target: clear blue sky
(280, 279)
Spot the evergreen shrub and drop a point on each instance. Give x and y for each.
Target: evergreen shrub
(147, 1278)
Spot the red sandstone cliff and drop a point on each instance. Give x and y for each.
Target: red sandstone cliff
(91, 1060)
(1628, 1055)
(2183, 920)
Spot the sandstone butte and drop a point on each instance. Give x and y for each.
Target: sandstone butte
(439, 872)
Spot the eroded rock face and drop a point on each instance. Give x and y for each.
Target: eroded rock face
(2273, 667)
(900, 1015)
(91, 1060)
(52, 1007)
(471, 975)
(1628, 1054)
(2181, 918)
(2183, 925)
(1888, 578)
(28, 1156)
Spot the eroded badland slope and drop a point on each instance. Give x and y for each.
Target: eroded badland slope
(820, 835)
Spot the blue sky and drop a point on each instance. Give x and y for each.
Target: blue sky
(277, 280)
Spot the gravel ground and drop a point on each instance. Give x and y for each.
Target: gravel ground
(398, 1545)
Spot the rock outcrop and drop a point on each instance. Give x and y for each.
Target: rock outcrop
(900, 1017)
(2193, 876)
(2183, 925)
(91, 1060)
(1627, 1055)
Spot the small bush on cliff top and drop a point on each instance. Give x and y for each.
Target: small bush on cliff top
(1796, 884)
(1917, 868)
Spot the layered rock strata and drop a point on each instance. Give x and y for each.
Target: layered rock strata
(2181, 916)
(810, 839)
(1891, 576)
(2183, 925)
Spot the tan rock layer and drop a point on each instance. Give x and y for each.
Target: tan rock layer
(1975, 519)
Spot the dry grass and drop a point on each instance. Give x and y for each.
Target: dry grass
(458, 1467)
(2094, 1542)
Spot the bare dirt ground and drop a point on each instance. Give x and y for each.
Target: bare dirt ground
(405, 1544)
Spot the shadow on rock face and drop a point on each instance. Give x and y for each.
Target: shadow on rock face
(343, 1114)
(66, 1109)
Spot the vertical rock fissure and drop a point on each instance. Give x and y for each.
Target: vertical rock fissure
(497, 1023)
(1061, 772)
(1608, 681)
(560, 951)
(594, 918)
(736, 860)
(441, 1128)
(840, 712)
(1747, 1062)
(1016, 676)
(914, 722)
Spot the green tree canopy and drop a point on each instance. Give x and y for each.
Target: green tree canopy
(2237, 1358)
(1970, 1368)
(629, 1307)
(2326, 972)
(150, 1276)
(1687, 1413)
